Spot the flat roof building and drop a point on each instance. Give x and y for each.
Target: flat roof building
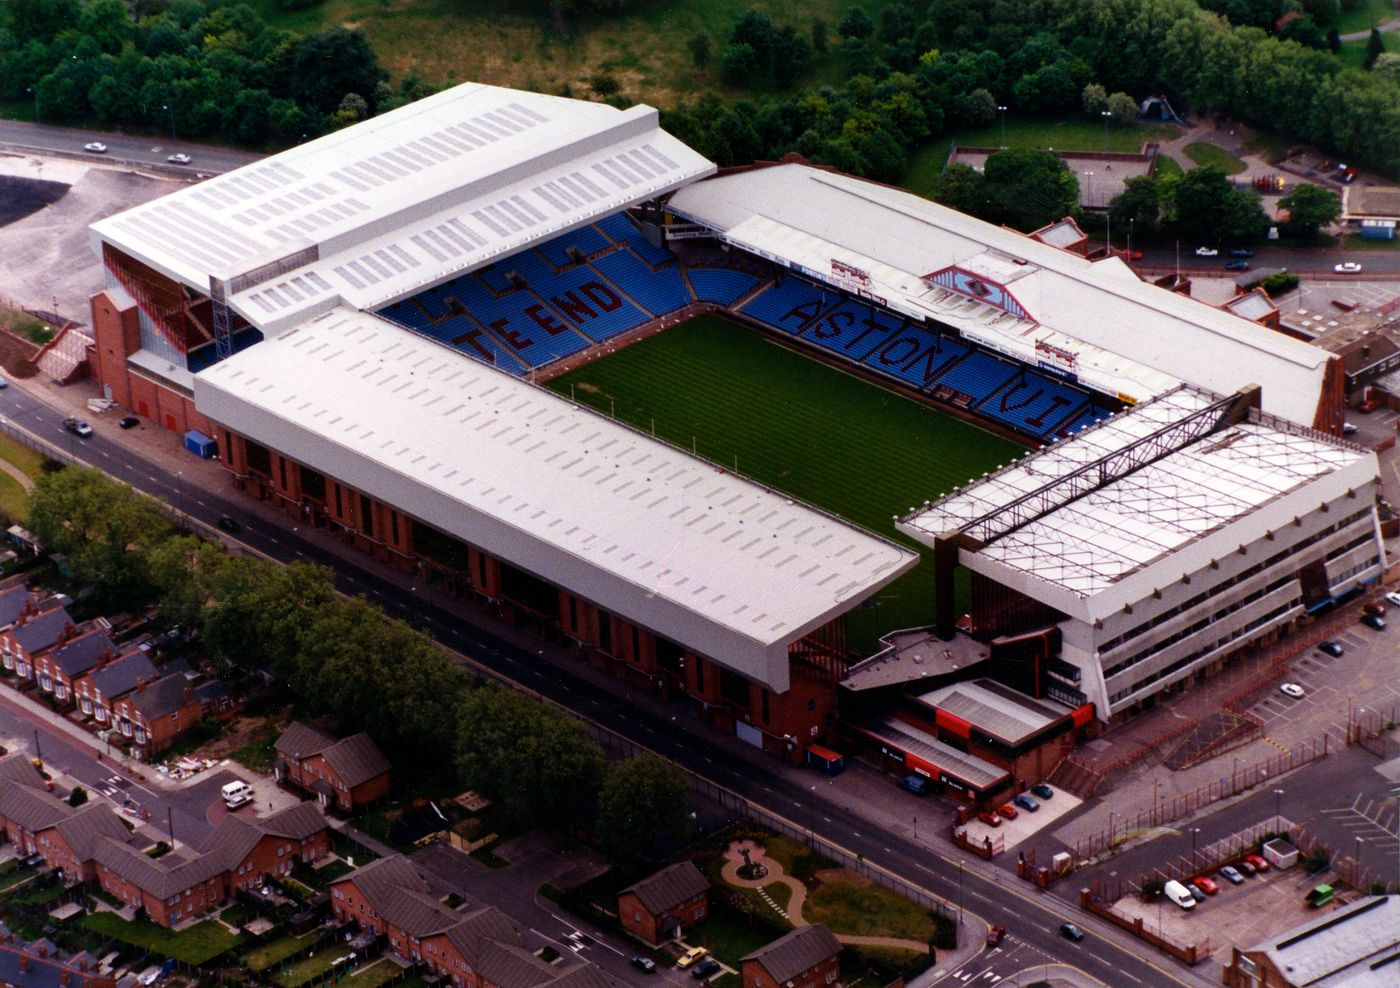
(1356, 945)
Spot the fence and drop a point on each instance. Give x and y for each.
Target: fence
(1347, 868)
(1169, 811)
(1091, 899)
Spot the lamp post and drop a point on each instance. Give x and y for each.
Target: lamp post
(1278, 795)
(1194, 832)
(1130, 237)
(1105, 114)
(1002, 111)
(916, 828)
(35, 91)
(960, 885)
(171, 108)
(1089, 191)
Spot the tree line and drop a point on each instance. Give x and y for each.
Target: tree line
(342, 660)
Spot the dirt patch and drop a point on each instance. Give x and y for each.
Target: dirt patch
(16, 355)
(243, 730)
(588, 389)
(20, 196)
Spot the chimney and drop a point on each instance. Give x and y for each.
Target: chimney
(189, 695)
(43, 950)
(68, 634)
(1365, 349)
(140, 684)
(24, 962)
(63, 977)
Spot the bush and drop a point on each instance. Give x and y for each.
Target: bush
(945, 931)
(604, 84)
(1317, 861)
(1278, 284)
(78, 796)
(1152, 888)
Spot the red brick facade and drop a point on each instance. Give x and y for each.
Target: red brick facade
(182, 906)
(305, 773)
(824, 975)
(659, 927)
(274, 855)
(154, 734)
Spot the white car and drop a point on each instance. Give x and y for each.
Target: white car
(1206, 252)
(1347, 267)
(96, 147)
(1393, 597)
(1292, 689)
(179, 159)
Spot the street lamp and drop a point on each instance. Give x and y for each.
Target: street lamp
(1278, 794)
(35, 91)
(1194, 832)
(1002, 111)
(1089, 191)
(171, 108)
(960, 886)
(1105, 114)
(916, 828)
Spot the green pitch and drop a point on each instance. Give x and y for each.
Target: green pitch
(799, 426)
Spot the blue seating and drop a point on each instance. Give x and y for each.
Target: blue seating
(1079, 419)
(494, 277)
(618, 227)
(721, 286)
(622, 232)
(463, 333)
(977, 375)
(790, 304)
(585, 238)
(852, 329)
(916, 356)
(660, 291)
(1032, 403)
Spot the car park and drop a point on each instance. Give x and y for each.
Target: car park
(1042, 790)
(995, 935)
(1231, 875)
(644, 964)
(691, 956)
(1369, 405)
(1373, 621)
(130, 422)
(917, 784)
(1206, 252)
(1331, 648)
(96, 147)
(705, 969)
(1236, 265)
(1008, 811)
(1347, 267)
(989, 818)
(1196, 893)
(1293, 690)
(179, 159)
(1206, 884)
(1259, 863)
(1245, 867)
(78, 427)
(1026, 803)
(1393, 597)
(1178, 894)
(1071, 932)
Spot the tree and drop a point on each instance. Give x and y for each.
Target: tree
(1122, 109)
(1387, 66)
(1136, 209)
(1094, 99)
(1206, 207)
(1375, 48)
(257, 611)
(78, 796)
(643, 808)
(963, 188)
(740, 63)
(699, 47)
(819, 39)
(328, 64)
(1310, 207)
(1029, 189)
(353, 108)
(792, 53)
(856, 24)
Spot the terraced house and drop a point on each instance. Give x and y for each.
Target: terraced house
(349, 773)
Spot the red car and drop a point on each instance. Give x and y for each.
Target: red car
(989, 818)
(1375, 608)
(995, 935)
(1370, 405)
(1008, 811)
(1259, 863)
(1206, 885)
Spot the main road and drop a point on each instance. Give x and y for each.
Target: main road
(1031, 915)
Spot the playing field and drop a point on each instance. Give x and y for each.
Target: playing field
(802, 427)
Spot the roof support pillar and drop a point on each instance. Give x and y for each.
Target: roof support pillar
(945, 565)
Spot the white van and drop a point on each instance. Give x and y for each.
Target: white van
(236, 794)
(1179, 894)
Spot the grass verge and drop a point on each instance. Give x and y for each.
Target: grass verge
(1205, 154)
(265, 956)
(861, 908)
(258, 753)
(193, 945)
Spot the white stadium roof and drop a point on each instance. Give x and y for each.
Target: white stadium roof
(1126, 335)
(400, 202)
(704, 557)
(1089, 555)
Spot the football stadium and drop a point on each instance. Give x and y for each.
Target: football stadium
(781, 440)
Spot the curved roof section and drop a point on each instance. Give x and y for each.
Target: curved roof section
(399, 202)
(713, 561)
(1135, 332)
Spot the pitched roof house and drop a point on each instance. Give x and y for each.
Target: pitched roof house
(349, 772)
(56, 669)
(808, 957)
(659, 907)
(110, 681)
(154, 715)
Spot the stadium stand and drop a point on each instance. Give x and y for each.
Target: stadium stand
(1032, 404)
(790, 304)
(978, 376)
(494, 277)
(463, 333)
(587, 239)
(660, 291)
(722, 286)
(916, 356)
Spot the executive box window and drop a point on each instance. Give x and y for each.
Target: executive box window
(313, 484)
(259, 459)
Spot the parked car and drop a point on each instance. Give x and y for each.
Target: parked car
(1331, 648)
(995, 935)
(1245, 868)
(989, 818)
(4, 383)
(1369, 405)
(1133, 255)
(78, 427)
(179, 159)
(1196, 893)
(917, 784)
(130, 422)
(691, 956)
(1259, 863)
(1347, 267)
(1348, 429)
(1071, 932)
(1042, 790)
(1373, 621)
(1393, 597)
(1026, 803)
(1373, 607)
(235, 794)
(1241, 252)
(644, 964)
(1008, 811)
(1292, 689)
(96, 147)
(1236, 265)
(709, 966)
(1206, 252)
(1206, 884)
(229, 525)
(1178, 894)
(1231, 875)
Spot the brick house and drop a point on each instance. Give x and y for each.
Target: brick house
(16, 599)
(17, 769)
(25, 812)
(99, 688)
(171, 889)
(474, 947)
(69, 844)
(658, 908)
(30, 635)
(254, 848)
(41, 964)
(56, 669)
(351, 772)
(808, 957)
(153, 715)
